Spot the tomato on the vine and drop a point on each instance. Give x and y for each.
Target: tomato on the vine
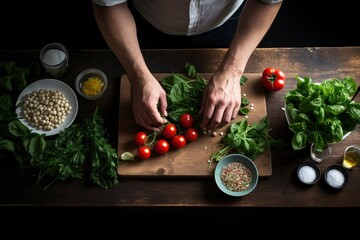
(191, 134)
(273, 79)
(162, 146)
(143, 152)
(178, 141)
(186, 120)
(169, 131)
(140, 139)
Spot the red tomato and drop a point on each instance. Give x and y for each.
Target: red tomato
(178, 141)
(191, 134)
(186, 120)
(162, 146)
(140, 139)
(169, 131)
(273, 79)
(143, 152)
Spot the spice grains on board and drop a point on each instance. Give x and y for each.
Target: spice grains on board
(236, 176)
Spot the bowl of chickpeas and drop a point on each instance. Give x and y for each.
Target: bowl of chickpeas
(47, 106)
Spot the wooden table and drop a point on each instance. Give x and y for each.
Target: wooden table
(18, 187)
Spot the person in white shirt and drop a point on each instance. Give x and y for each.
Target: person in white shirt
(208, 22)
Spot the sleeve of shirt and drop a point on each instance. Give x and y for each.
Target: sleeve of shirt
(270, 1)
(108, 3)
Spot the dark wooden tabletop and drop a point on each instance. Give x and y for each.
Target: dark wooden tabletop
(19, 187)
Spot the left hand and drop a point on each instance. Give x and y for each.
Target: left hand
(221, 100)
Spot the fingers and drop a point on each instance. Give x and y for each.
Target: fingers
(218, 116)
(149, 117)
(149, 106)
(148, 121)
(219, 108)
(162, 106)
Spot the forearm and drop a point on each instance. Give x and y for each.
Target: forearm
(118, 28)
(255, 20)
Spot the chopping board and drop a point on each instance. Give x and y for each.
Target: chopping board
(192, 160)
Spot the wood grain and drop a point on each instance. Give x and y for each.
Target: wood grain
(192, 160)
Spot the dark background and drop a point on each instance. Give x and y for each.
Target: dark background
(29, 25)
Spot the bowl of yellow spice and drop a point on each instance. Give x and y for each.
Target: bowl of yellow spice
(91, 83)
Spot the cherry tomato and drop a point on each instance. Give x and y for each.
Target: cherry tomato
(186, 120)
(273, 79)
(191, 134)
(169, 131)
(162, 146)
(140, 139)
(143, 152)
(178, 141)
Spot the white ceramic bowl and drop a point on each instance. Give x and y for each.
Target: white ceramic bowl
(86, 75)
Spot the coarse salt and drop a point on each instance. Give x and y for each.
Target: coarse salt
(307, 174)
(335, 178)
(54, 57)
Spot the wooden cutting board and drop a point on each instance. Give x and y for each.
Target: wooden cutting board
(192, 160)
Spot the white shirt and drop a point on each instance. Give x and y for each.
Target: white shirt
(184, 17)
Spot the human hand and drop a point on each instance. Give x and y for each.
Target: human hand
(148, 100)
(221, 100)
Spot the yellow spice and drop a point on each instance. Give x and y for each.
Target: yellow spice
(92, 86)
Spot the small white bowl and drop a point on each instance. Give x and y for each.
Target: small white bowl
(85, 75)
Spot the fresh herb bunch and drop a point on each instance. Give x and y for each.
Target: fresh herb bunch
(81, 152)
(247, 139)
(321, 113)
(185, 90)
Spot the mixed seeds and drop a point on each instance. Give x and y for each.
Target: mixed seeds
(236, 176)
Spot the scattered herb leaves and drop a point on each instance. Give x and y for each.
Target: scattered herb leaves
(247, 139)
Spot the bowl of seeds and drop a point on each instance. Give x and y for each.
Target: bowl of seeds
(236, 175)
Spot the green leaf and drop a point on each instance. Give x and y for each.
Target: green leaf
(299, 140)
(18, 129)
(6, 68)
(6, 83)
(244, 111)
(190, 70)
(19, 81)
(37, 145)
(7, 145)
(244, 102)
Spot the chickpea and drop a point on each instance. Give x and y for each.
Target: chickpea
(46, 109)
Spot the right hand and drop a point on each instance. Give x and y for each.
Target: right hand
(148, 101)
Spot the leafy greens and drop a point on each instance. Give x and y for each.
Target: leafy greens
(81, 152)
(321, 113)
(184, 93)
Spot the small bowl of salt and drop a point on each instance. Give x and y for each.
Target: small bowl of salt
(336, 176)
(308, 173)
